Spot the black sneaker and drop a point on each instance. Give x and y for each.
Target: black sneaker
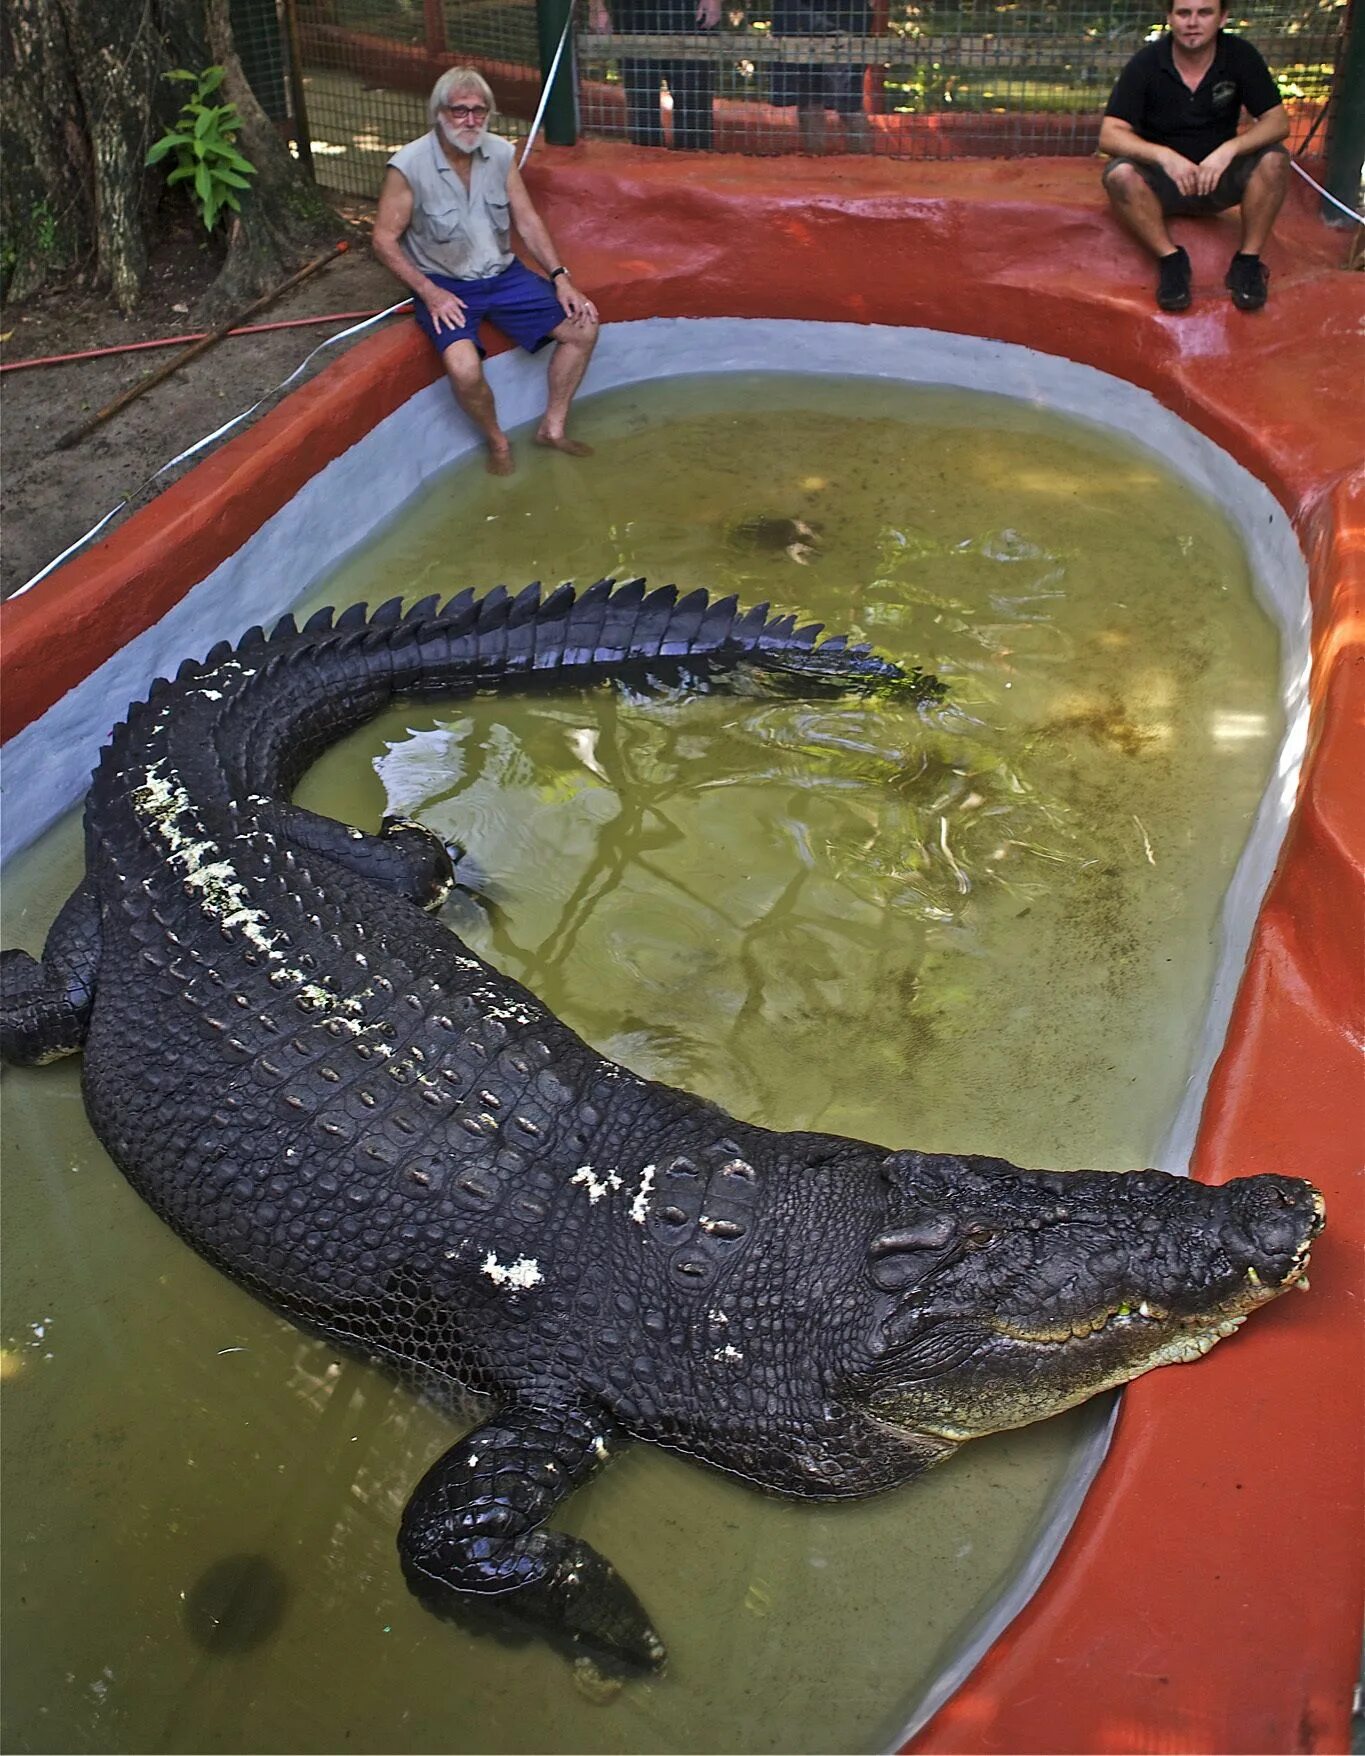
(1173, 287)
(1248, 280)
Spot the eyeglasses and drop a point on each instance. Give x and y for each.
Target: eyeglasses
(471, 112)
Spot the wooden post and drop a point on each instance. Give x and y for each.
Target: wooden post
(303, 134)
(434, 26)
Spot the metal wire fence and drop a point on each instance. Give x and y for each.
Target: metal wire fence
(970, 78)
(979, 78)
(368, 66)
(260, 43)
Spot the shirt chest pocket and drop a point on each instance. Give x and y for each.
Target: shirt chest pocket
(446, 225)
(500, 218)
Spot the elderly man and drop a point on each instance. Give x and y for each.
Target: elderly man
(1172, 126)
(446, 209)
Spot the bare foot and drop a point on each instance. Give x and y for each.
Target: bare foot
(560, 442)
(500, 461)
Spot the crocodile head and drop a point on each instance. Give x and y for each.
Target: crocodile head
(1007, 1295)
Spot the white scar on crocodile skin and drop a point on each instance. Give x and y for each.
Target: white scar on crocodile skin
(524, 1272)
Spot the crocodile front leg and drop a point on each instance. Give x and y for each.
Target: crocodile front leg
(471, 1541)
(45, 1007)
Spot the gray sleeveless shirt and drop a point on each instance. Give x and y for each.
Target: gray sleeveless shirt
(453, 231)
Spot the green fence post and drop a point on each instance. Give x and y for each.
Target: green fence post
(561, 112)
(1346, 141)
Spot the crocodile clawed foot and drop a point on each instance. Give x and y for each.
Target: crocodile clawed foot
(590, 1606)
(470, 877)
(474, 1548)
(593, 1683)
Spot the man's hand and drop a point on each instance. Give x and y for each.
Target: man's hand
(1211, 168)
(708, 14)
(447, 312)
(1182, 172)
(574, 306)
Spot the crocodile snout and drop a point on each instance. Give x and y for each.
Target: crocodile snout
(1270, 1223)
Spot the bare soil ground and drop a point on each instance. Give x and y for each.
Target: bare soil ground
(49, 498)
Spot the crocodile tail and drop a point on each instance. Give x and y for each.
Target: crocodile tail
(342, 666)
(605, 627)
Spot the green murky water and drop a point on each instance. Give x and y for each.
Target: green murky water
(984, 926)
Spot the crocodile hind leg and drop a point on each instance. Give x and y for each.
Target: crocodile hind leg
(405, 857)
(45, 1006)
(472, 1546)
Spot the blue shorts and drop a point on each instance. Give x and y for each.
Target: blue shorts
(521, 304)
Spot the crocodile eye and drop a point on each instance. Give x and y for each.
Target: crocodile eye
(978, 1234)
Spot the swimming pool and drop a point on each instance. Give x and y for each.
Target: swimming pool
(1281, 1064)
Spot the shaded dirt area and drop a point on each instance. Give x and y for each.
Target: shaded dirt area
(49, 498)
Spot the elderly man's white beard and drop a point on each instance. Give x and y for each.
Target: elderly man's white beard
(452, 134)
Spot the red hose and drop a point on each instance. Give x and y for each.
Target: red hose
(170, 341)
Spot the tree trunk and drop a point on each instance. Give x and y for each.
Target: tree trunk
(116, 54)
(83, 100)
(284, 219)
(46, 200)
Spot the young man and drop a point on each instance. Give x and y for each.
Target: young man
(446, 209)
(1171, 125)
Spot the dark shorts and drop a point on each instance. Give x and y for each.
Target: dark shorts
(817, 85)
(1227, 192)
(521, 304)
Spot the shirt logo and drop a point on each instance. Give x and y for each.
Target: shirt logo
(1224, 93)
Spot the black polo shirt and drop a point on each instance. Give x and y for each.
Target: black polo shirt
(1151, 96)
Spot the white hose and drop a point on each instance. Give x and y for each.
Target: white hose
(1350, 213)
(208, 439)
(548, 87)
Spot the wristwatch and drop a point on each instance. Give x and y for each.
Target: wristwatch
(556, 272)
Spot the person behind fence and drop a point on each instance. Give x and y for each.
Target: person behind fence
(815, 87)
(691, 84)
(446, 210)
(1171, 125)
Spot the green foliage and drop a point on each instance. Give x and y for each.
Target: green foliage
(34, 242)
(44, 230)
(202, 142)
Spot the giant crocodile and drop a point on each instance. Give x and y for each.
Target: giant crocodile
(324, 1092)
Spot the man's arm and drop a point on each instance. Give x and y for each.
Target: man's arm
(1267, 130)
(391, 220)
(536, 237)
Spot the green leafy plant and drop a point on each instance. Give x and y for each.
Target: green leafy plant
(202, 142)
(45, 233)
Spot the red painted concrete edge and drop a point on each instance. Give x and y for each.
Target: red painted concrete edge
(1206, 1598)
